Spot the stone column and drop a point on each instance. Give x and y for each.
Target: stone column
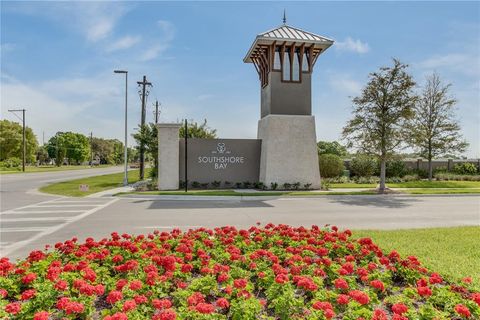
(168, 156)
(289, 150)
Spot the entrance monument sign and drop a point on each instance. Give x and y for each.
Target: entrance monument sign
(223, 160)
(285, 151)
(284, 59)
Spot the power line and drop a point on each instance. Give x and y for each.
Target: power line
(143, 91)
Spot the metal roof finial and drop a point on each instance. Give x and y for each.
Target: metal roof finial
(284, 17)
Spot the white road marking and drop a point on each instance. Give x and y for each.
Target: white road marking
(21, 229)
(79, 201)
(42, 211)
(30, 205)
(35, 219)
(168, 227)
(67, 205)
(49, 230)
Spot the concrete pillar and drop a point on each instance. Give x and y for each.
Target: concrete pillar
(168, 156)
(450, 165)
(289, 150)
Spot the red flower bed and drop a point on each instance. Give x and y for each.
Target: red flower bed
(274, 272)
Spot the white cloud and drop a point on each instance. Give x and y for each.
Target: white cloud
(344, 84)
(7, 47)
(94, 20)
(71, 104)
(123, 43)
(162, 42)
(466, 63)
(352, 45)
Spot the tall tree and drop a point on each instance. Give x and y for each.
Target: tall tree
(380, 114)
(147, 135)
(73, 146)
(326, 147)
(11, 141)
(196, 130)
(434, 129)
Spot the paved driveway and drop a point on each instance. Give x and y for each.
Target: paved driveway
(143, 215)
(18, 190)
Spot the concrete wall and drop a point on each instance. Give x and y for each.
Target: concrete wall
(289, 98)
(289, 150)
(168, 155)
(232, 160)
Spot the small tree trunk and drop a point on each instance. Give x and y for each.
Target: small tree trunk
(430, 170)
(381, 189)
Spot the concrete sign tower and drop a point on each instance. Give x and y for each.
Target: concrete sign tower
(284, 59)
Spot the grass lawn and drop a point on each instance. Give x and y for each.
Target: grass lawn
(412, 184)
(453, 252)
(442, 191)
(243, 194)
(29, 169)
(96, 184)
(349, 185)
(435, 184)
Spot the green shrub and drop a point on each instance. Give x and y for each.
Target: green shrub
(366, 180)
(363, 166)
(411, 177)
(11, 163)
(330, 165)
(456, 177)
(440, 169)
(396, 168)
(465, 168)
(421, 173)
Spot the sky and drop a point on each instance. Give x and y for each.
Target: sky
(57, 60)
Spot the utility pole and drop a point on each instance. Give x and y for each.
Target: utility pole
(91, 149)
(156, 112)
(186, 156)
(143, 93)
(24, 147)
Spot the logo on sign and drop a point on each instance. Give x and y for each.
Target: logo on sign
(222, 158)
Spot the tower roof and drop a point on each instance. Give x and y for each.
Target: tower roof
(289, 35)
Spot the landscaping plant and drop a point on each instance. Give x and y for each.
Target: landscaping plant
(271, 272)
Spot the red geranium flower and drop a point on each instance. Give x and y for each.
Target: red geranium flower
(399, 308)
(29, 278)
(205, 308)
(343, 299)
(240, 283)
(424, 291)
(41, 315)
(359, 296)
(129, 305)
(13, 307)
(222, 303)
(168, 314)
(462, 310)
(377, 284)
(341, 284)
(114, 296)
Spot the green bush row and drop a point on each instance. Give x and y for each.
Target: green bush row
(332, 166)
(246, 185)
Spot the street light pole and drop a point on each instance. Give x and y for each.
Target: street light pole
(125, 156)
(24, 148)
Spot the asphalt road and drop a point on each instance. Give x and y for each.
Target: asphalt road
(18, 190)
(31, 227)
